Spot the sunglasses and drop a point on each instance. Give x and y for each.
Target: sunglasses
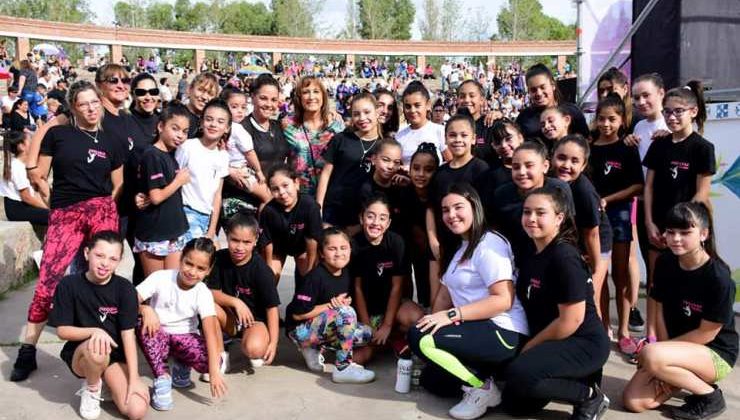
(143, 92)
(115, 80)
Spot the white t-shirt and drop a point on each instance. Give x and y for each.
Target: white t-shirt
(410, 139)
(178, 309)
(18, 181)
(7, 103)
(240, 142)
(207, 167)
(468, 281)
(644, 129)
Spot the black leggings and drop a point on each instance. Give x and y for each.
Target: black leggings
(18, 211)
(471, 351)
(561, 370)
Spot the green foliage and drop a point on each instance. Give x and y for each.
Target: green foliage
(524, 20)
(429, 22)
(74, 11)
(386, 19)
(295, 17)
(245, 18)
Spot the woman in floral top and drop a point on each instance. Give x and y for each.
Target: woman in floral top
(309, 131)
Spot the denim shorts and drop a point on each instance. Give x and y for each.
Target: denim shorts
(161, 248)
(620, 217)
(197, 223)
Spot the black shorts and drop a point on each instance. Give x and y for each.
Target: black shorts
(68, 351)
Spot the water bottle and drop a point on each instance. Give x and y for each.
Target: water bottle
(417, 365)
(403, 375)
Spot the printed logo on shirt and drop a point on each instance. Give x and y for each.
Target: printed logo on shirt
(367, 166)
(533, 284)
(382, 266)
(690, 308)
(480, 140)
(295, 227)
(304, 298)
(92, 154)
(156, 176)
(105, 311)
(130, 143)
(676, 166)
(246, 291)
(611, 164)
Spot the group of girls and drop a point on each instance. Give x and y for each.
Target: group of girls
(505, 246)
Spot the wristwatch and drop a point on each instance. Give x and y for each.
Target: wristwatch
(452, 314)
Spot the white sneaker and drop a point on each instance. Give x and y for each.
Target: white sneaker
(89, 401)
(257, 363)
(353, 374)
(314, 359)
(476, 401)
(223, 367)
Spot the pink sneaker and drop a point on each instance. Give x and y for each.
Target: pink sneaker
(627, 346)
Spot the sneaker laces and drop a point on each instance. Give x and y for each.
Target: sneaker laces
(91, 394)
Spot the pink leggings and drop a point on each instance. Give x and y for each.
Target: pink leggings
(69, 229)
(188, 349)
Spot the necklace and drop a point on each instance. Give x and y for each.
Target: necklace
(85, 132)
(365, 164)
(362, 144)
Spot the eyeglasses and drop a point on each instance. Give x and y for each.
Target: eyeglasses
(115, 80)
(144, 92)
(678, 112)
(89, 105)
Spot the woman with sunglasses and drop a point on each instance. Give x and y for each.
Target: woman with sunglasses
(88, 175)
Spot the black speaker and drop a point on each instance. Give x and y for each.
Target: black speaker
(688, 39)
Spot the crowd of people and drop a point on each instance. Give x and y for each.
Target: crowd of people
(476, 242)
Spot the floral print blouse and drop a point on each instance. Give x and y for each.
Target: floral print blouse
(307, 149)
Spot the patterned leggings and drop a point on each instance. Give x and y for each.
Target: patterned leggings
(69, 228)
(188, 349)
(335, 328)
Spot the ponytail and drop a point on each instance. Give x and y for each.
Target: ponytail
(693, 95)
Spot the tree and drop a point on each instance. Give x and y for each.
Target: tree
(245, 18)
(450, 20)
(429, 22)
(295, 17)
(386, 19)
(130, 14)
(74, 11)
(351, 29)
(477, 25)
(160, 16)
(524, 20)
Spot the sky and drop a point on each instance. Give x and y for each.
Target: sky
(332, 17)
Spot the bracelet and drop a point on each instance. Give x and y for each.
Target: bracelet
(31, 168)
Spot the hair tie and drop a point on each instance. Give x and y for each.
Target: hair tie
(687, 87)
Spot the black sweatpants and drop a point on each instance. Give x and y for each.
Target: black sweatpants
(562, 371)
(18, 211)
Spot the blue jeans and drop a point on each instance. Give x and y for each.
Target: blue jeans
(197, 223)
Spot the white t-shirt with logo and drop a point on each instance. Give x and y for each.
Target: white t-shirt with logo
(178, 309)
(207, 168)
(468, 281)
(18, 181)
(410, 139)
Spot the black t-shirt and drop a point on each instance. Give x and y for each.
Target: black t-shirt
(31, 82)
(615, 167)
(270, 146)
(82, 167)
(194, 127)
(486, 185)
(351, 159)
(529, 121)
(395, 199)
(676, 167)
(318, 288)
(555, 276)
(447, 175)
(688, 297)
(588, 213)
(113, 307)
(288, 231)
(167, 220)
(252, 282)
(483, 147)
(507, 215)
(376, 265)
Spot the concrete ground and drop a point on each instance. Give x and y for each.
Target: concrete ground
(286, 390)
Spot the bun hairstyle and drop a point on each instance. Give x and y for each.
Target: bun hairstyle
(109, 236)
(427, 148)
(263, 80)
(462, 115)
(242, 220)
(535, 146)
(282, 168)
(693, 95)
(416, 87)
(653, 78)
(540, 69)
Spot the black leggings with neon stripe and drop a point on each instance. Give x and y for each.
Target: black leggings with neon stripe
(471, 351)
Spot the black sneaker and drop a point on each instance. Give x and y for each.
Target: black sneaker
(24, 364)
(699, 407)
(593, 408)
(636, 323)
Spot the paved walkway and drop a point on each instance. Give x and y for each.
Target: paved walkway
(283, 391)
